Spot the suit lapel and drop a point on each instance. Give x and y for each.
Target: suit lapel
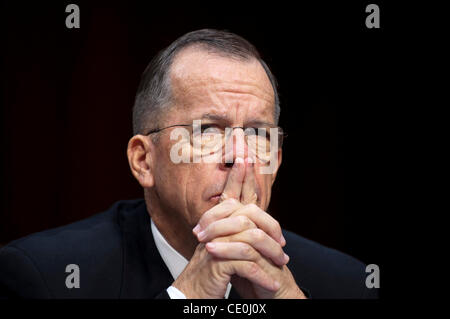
(234, 294)
(145, 274)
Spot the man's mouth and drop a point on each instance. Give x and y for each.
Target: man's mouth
(215, 198)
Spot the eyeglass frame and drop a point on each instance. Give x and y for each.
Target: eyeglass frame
(284, 135)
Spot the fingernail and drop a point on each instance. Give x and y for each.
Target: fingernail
(196, 229)
(286, 258)
(239, 160)
(201, 235)
(211, 245)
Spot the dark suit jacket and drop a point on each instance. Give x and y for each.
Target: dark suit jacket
(117, 258)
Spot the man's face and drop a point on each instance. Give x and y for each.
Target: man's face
(216, 90)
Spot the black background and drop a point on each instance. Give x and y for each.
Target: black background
(68, 95)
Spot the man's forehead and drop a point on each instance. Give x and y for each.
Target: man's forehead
(197, 66)
(207, 78)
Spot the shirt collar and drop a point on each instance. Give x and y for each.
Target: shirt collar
(174, 261)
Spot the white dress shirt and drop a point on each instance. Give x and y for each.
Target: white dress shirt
(174, 261)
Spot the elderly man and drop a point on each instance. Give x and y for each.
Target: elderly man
(202, 230)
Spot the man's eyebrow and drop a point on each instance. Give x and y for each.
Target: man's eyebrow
(214, 117)
(251, 123)
(258, 123)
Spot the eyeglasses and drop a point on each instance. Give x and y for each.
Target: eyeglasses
(207, 138)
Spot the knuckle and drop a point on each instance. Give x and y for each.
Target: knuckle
(252, 268)
(211, 229)
(257, 235)
(244, 221)
(201, 220)
(247, 250)
(282, 258)
(205, 218)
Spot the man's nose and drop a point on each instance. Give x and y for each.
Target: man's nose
(235, 146)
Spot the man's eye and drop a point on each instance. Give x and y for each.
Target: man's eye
(209, 127)
(251, 131)
(255, 131)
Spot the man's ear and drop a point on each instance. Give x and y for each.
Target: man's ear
(280, 156)
(140, 157)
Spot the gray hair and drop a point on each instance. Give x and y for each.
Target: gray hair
(154, 91)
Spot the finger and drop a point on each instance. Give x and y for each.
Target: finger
(251, 271)
(249, 195)
(225, 227)
(233, 186)
(255, 238)
(263, 221)
(233, 250)
(220, 211)
(232, 207)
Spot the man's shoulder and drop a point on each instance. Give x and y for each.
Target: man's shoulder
(325, 272)
(318, 254)
(96, 230)
(93, 244)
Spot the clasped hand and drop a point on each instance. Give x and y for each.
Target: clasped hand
(238, 243)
